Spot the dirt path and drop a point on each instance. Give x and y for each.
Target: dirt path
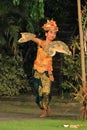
(25, 108)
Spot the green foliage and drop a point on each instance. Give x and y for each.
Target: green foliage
(65, 86)
(84, 16)
(12, 77)
(37, 10)
(16, 2)
(15, 17)
(72, 67)
(72, 64)
(18, 16)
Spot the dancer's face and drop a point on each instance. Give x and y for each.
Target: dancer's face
(51, 35)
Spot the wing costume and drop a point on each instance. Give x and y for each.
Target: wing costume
(25, 37)
(51, 48)
(57, 46)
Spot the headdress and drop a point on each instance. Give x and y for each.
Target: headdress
(50, 25)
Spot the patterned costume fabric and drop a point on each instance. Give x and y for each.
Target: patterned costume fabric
(42, 85)
(43, 61)
(42, 67)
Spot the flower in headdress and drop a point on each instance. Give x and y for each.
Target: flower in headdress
(50, 25)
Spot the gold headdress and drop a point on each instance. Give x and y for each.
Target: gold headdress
(50, 25)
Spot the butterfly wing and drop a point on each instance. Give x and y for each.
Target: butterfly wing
(25, 37)
(61, 47)
(57, 46)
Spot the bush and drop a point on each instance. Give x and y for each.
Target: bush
(12, 77)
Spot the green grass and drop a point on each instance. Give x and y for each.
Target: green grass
(43, 124)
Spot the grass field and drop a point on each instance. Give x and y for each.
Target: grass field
(43, 124)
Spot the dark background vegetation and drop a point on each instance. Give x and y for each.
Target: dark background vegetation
(16, 61)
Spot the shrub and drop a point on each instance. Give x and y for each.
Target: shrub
(12, 77)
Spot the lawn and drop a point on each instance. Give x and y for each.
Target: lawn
(43, 124)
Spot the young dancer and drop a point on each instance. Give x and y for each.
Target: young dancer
(43, 69)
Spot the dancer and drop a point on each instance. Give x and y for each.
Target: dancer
(43, 69)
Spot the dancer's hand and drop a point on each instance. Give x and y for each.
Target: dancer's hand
(51, 78)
